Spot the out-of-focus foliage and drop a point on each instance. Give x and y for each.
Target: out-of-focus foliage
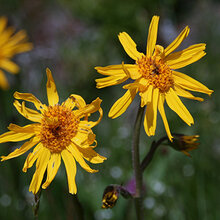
(71, 38)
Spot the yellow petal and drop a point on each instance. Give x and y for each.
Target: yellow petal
(52, 168)
(110, 81)
(84, 135)
(77, 155)
(146, 96)
(41, 166)
(129, 46)
(177, 41)
(3, 22)
(27, 112)
(185, 57)
(29, 98)
(12, 136)
(177, 106)
(90, 108)
(150, 119)
(79, 101)
(24, 148)
(152, 35)
(70, 165)
(74, 101)
(20, 48)
(90, 155)
(32, 128)
(90, 124)
(32, 157)
(3, 81)
(9, 66)
(182, 92)
(121, 105)
(163, 115)
(52, 94)
(186, 82)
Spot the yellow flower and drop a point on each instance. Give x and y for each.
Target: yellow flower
(59, 131)
(185, 143)
(155, 78)
(10, 44)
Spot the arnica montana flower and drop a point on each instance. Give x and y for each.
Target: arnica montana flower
(59, 131)
(10, 44)
(155, 78)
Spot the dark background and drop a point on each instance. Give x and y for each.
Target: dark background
(71, 38)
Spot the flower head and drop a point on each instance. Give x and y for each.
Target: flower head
(110, 196)
(59, 131)
(184, 143)
(112, 193)
(155, 78)
(10, 44)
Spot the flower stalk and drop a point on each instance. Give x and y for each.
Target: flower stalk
(37, 203)
(136, 163)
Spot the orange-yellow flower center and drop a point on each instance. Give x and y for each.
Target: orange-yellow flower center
(156, 71)
(58, 126)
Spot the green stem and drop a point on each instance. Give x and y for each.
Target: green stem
(136, 163)
(37, 204)
(146, 161)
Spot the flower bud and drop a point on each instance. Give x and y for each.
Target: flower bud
(184, 143)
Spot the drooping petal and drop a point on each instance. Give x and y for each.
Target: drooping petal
(189, 83)
(163, 115)
(41, 165)
(146, 96)
(185, 57)
(70, 166)
(77, 155)
(27, 112)
(32, 157)
(12, 136)
(152, 35)
(175, 44)
(29, 98)
(52, 94)
(52, 168)
(129, 46)
(177, 106)
(9, 66)
(89, 154)
(24, 148)
(121, 105)
(182, 92)
(150, 119)
(3, 81)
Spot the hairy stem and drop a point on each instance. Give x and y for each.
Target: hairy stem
(136, 163)
(146, 161)
(37, 204)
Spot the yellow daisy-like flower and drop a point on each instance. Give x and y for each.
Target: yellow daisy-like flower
(10, 44)
(59, 131)
(155, 78)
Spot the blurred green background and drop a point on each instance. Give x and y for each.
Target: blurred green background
(71, 38)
